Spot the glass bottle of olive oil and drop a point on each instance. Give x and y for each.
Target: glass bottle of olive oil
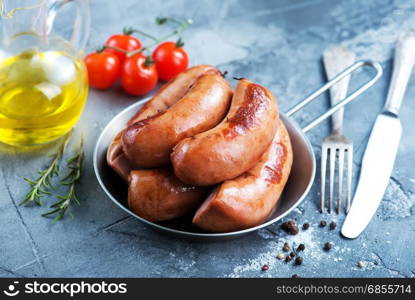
(43, 80)
(42, 95)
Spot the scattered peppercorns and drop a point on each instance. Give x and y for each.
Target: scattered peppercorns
(301, 247)
(280, 256)
(298, 260)
(332, 225)
(328, 246)
(286, 247)
(288, 259)
(306, 226)
(265, 268)
(290, 227)
(292, 254)
(323, 223)
(295, 276)
(360, 264)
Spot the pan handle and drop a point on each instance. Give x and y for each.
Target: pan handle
(359, 64)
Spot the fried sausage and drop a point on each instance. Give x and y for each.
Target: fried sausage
(249, 199)
(157, 195)
(171, 92)
(235, 145)
(116, 158)
(149, 142)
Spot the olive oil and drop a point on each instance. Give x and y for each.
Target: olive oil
(42, 95)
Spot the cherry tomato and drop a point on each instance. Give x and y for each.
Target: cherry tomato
(103, 69)
(138, 75)
(122, 41)
(171, 59)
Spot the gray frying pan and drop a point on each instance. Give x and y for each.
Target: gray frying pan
(298, 185)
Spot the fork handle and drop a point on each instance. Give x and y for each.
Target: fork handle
(335, 60)
(402, 68)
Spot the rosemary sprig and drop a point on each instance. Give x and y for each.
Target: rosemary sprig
(41, 186)
(60, 208)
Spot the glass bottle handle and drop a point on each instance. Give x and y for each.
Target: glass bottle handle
(81, 26)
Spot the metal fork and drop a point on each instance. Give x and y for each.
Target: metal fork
(336, 59)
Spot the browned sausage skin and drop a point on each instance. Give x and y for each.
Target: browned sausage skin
(171, 92)
(249, 199)
(149, 142)
(116, 158)
(157, 195)
(235, 145)
(168, 94)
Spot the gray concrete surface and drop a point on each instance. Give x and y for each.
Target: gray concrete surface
(275, 43)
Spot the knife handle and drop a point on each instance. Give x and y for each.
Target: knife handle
(403, 63)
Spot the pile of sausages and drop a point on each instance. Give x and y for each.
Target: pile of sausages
(198, 147)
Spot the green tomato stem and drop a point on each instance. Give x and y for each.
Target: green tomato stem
(181, 28)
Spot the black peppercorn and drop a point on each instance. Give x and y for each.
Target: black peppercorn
(295, 276)
(333, 225)
(292, 254)
(265, 268)
(327, 246)
(298, 260)
(286, 247)
(288, 258)
(290, 227)
(301, 247)
(323, 223)
(306, 226)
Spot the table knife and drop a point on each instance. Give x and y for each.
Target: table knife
(382, 147)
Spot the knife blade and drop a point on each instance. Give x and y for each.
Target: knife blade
(383, 143)
(377, 166)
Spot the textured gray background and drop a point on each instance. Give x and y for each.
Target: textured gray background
(277, 44)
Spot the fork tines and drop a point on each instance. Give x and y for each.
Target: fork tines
(341, 150)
